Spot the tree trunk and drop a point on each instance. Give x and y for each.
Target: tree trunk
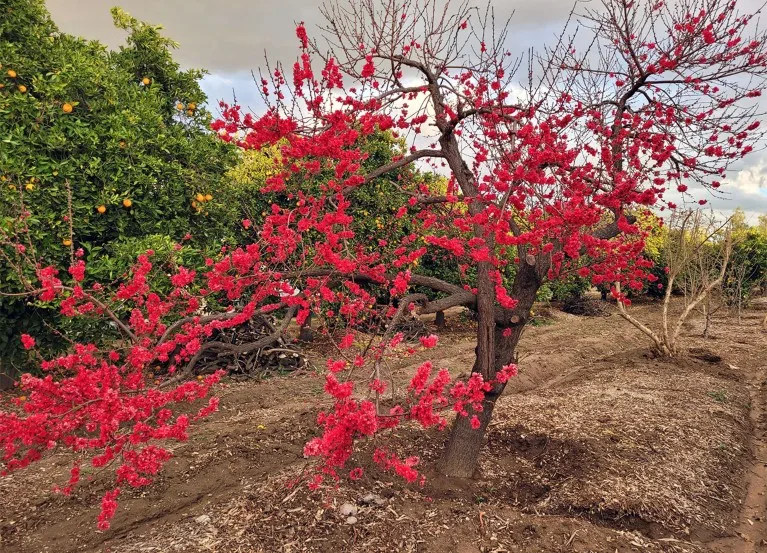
(461, 454)
(465, 443)
(707, 316)
(740, 303)
(306, 334)
(439, 320)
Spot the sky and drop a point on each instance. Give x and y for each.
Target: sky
(229, 39)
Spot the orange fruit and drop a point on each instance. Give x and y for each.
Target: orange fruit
(208, 197)
(101, 209)
(12, 73)
(67, 242)
(199, 197)
(127, 203)
(22, 88)
(192, 106)
(190, 112)
(199, 377)
(180, 106)
(145, 81)
(2, 85)
(22, 398)
(122, 143)
(67, 108)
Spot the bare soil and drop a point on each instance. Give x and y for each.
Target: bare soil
(596, 446)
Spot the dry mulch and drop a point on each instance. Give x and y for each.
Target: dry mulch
(650, 444)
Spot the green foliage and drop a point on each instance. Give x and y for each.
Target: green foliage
(747, 272)
(544, 293)
(567, 288)
(17, 317)
(718, 395)
(241, 191)
(119, 138)
(109, 264)
(655, 243)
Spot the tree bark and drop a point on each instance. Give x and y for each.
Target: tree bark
(461, 455)
(707, 317)
(307, 334)
(440, 319)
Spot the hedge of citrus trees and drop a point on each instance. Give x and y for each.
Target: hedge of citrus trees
(107, 151)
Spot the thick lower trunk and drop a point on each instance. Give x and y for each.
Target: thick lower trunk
(461, 454)
(465, 443)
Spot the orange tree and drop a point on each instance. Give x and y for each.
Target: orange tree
(108, 151)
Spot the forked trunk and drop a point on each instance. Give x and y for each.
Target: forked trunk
(465, 443)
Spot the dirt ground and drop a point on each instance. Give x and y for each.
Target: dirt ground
(596, 446)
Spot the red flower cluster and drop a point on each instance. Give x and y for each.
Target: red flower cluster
(27, 341)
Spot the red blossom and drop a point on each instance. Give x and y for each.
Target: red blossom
(27, 341)
(429, 341)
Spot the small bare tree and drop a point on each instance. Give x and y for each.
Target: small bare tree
(697, 255)
(703, 268)
(713, 303)
(738, 279)
(744, 276)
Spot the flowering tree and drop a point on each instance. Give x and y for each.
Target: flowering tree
(542, 173)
